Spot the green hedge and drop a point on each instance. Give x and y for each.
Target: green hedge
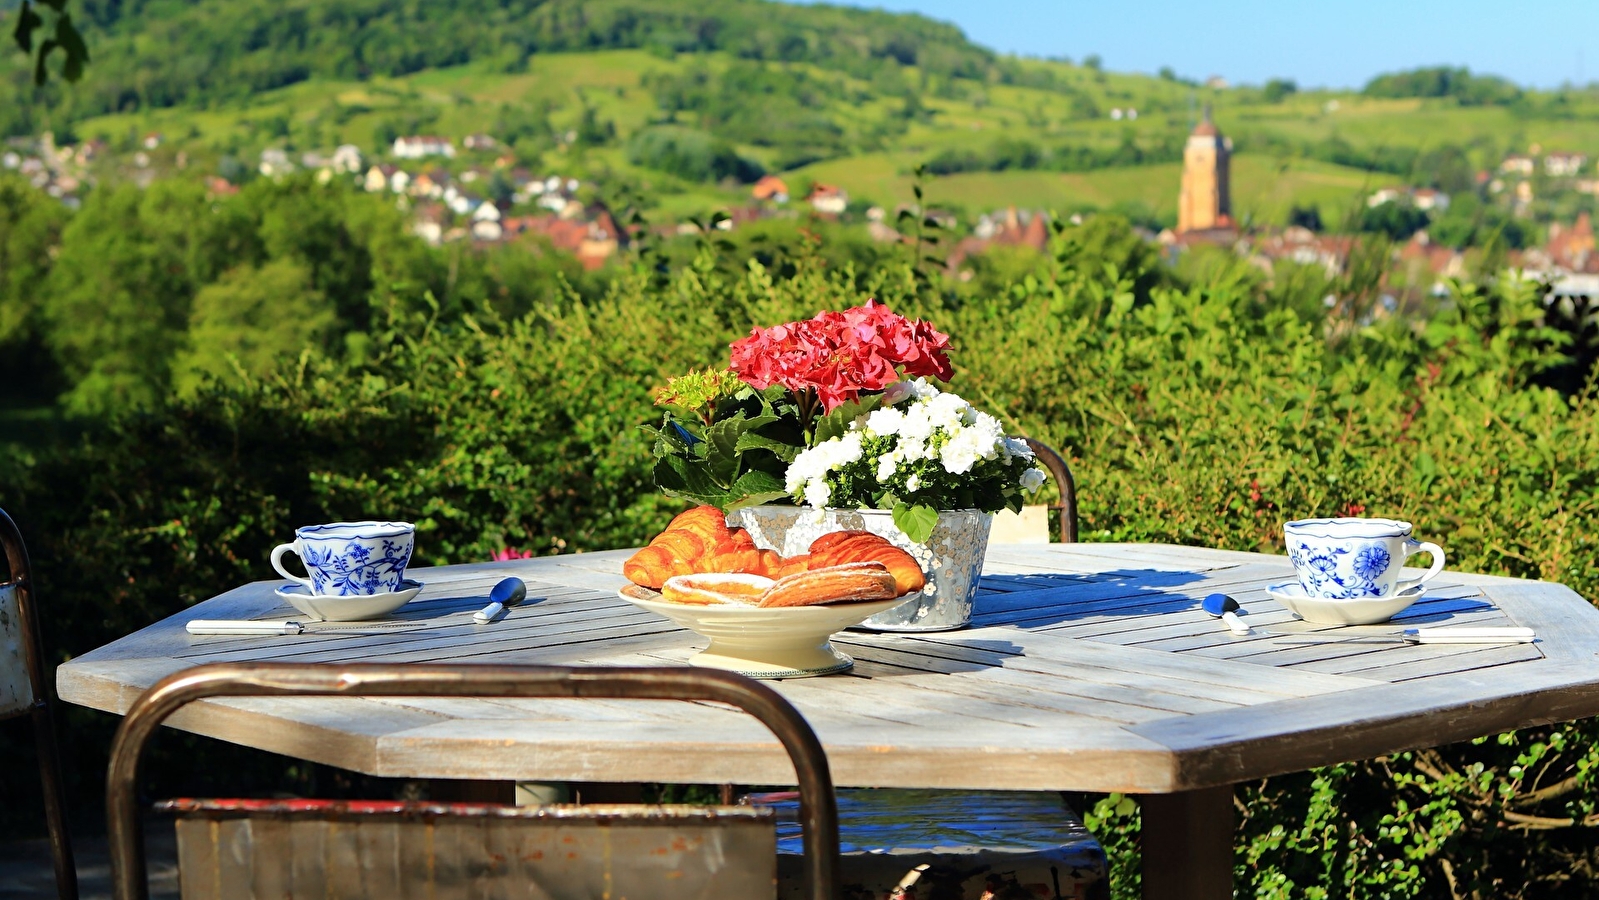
(1199, 414)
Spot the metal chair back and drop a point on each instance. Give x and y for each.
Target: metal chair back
(819, 813)
(25, 689)
(1031, 526)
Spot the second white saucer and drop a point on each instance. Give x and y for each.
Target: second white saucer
(1361, 611)
(351, 608)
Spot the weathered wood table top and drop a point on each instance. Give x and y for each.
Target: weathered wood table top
(1088, 667)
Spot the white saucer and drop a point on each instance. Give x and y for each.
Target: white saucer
(1362, 611)
(352, 608)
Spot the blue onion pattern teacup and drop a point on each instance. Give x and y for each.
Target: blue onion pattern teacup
(1347, 559)
(350, 558)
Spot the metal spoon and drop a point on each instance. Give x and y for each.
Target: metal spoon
(509, 592)
(1224, 608)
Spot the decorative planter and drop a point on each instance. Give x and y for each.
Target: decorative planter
(952, 558)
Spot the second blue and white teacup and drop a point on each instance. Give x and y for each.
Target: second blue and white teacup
(1348, 559)
(350, 558)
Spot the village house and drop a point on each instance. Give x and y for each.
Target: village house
(1518, 164)
(274, 162)
(1564, 165)
(421, 146)
(1571, 249)
(428, 222)
(1429, 199)
(828, 200)
(770, 189)
(480, 142)
(346, 159)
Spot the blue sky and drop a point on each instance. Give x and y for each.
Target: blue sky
(1317, 44)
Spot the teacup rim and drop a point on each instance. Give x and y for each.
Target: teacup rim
(1380, 527)
(343, 530)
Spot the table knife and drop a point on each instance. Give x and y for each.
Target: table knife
(288, 626)
(1487, 635)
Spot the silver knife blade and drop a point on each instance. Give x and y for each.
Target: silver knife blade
(1487, 635)
(292, 626)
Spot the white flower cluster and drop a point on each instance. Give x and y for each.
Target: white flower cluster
(933, 425)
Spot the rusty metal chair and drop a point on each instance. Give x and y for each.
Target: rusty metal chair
(253, 850)
(1031, 525)
(1065, 483)
(25, 689)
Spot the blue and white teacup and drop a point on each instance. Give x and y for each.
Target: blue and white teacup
(1348, 559)
(350, 558)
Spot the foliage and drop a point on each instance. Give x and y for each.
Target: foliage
(234, 49)
(689, 154)
(1278, 89)
(61, 33)
(1392, 218)
(1443, 81)
(146, 289)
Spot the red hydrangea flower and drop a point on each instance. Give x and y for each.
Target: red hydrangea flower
(841, 354)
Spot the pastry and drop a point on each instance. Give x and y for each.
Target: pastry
(849, 583)
(840, 547)
(716, 589)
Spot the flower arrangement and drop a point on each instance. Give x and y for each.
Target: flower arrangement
(934, 452)
(838, 410)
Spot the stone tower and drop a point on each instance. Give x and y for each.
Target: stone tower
(1205, 201)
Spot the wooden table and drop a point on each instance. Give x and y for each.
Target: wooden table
(1089, 667)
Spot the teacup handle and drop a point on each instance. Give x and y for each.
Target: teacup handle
(277, 563)
(1412, 547)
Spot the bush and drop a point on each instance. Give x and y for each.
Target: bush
(1203, 413)
(690, 155)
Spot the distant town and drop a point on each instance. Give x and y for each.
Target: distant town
(477, 191)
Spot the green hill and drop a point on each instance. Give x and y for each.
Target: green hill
(679, 102)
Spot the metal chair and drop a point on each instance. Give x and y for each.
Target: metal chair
(25, 689)
(252, 850)
(1065, 483)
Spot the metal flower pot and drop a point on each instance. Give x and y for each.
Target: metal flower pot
(952, 558)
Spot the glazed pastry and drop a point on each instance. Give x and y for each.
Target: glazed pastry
(716, 589)
(849, 583)
(840, 547)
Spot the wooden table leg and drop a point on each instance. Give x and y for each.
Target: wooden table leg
(1187, 843)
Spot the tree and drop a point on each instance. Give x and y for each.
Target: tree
(251, 320)
(117, 299)
(1278, 89)
(1397, 220)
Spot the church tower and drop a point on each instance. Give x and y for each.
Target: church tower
(1205, 201)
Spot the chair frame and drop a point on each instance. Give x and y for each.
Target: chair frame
(818, 810)
(44, 729)
(1067, 507)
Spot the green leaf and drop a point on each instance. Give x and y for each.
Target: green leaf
(835, 423)
(753, 489)
(27, 21)
(781, 449)
(679, 477)
(916, 521)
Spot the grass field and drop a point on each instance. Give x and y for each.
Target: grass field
(1263, 189)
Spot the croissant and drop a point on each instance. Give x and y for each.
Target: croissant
(700, 541)
(716, 589)
(840, 547)
(848, 583)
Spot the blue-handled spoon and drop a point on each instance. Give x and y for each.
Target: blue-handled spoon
(504, 595)
(1225, 608)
